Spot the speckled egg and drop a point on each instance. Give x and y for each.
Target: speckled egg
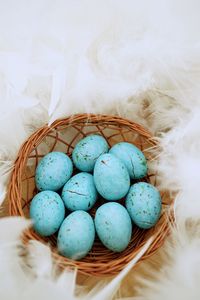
(113, 225)
(87, 151)
(53, 171)
(47, 211)
(132, 157)
(76, 235)
(80, 193)
(111, 177)
(143, 203)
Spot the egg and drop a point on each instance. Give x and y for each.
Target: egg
(111, 177)
(113, 226)
(53, 171)
(80, 193)
(132, 157)
(143, 203)
(87, 151)
(76, 235)
(47, 211)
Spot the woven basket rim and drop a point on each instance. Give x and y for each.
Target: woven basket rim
(15, 190)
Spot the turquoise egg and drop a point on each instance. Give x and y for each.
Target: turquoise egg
(47, 211)
(53, 171)
(113, 225)
(143, 203)
(87, 151)
(80, 193)
(111, 177)
(76, 235)
(132, 157)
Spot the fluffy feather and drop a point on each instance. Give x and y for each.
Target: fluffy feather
(180, 152)
(110, 289)
(16, 281)
(37, 275)
(178, 276)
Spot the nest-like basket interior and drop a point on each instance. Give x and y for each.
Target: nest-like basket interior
(63, 135)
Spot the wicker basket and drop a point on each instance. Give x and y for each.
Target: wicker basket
(62, 135)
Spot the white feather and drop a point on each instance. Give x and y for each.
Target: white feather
(111, 288)
(40, 259)
(57, 87)
(17, 280)
(178, 276)
(12, 276)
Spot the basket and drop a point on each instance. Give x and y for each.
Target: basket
(62, 135)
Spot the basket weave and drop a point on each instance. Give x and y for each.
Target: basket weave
(62, 135)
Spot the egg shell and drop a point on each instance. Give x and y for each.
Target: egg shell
(80, 193)
(143, 203)
(47, 211)
(132, 157)
(87, 151)
(111, 177)
(113, 225)
(76, 235)
(53, 171)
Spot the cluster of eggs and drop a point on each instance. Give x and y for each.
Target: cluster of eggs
(109, 173)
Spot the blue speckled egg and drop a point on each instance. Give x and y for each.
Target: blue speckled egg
(76, 235)
(132, 157)
(47, 211)
(53, 171)
(87, 151)
(113, 225)
(111, 177)
(80, 193)
(143, 203)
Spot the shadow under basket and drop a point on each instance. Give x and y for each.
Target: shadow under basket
(63, 135)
